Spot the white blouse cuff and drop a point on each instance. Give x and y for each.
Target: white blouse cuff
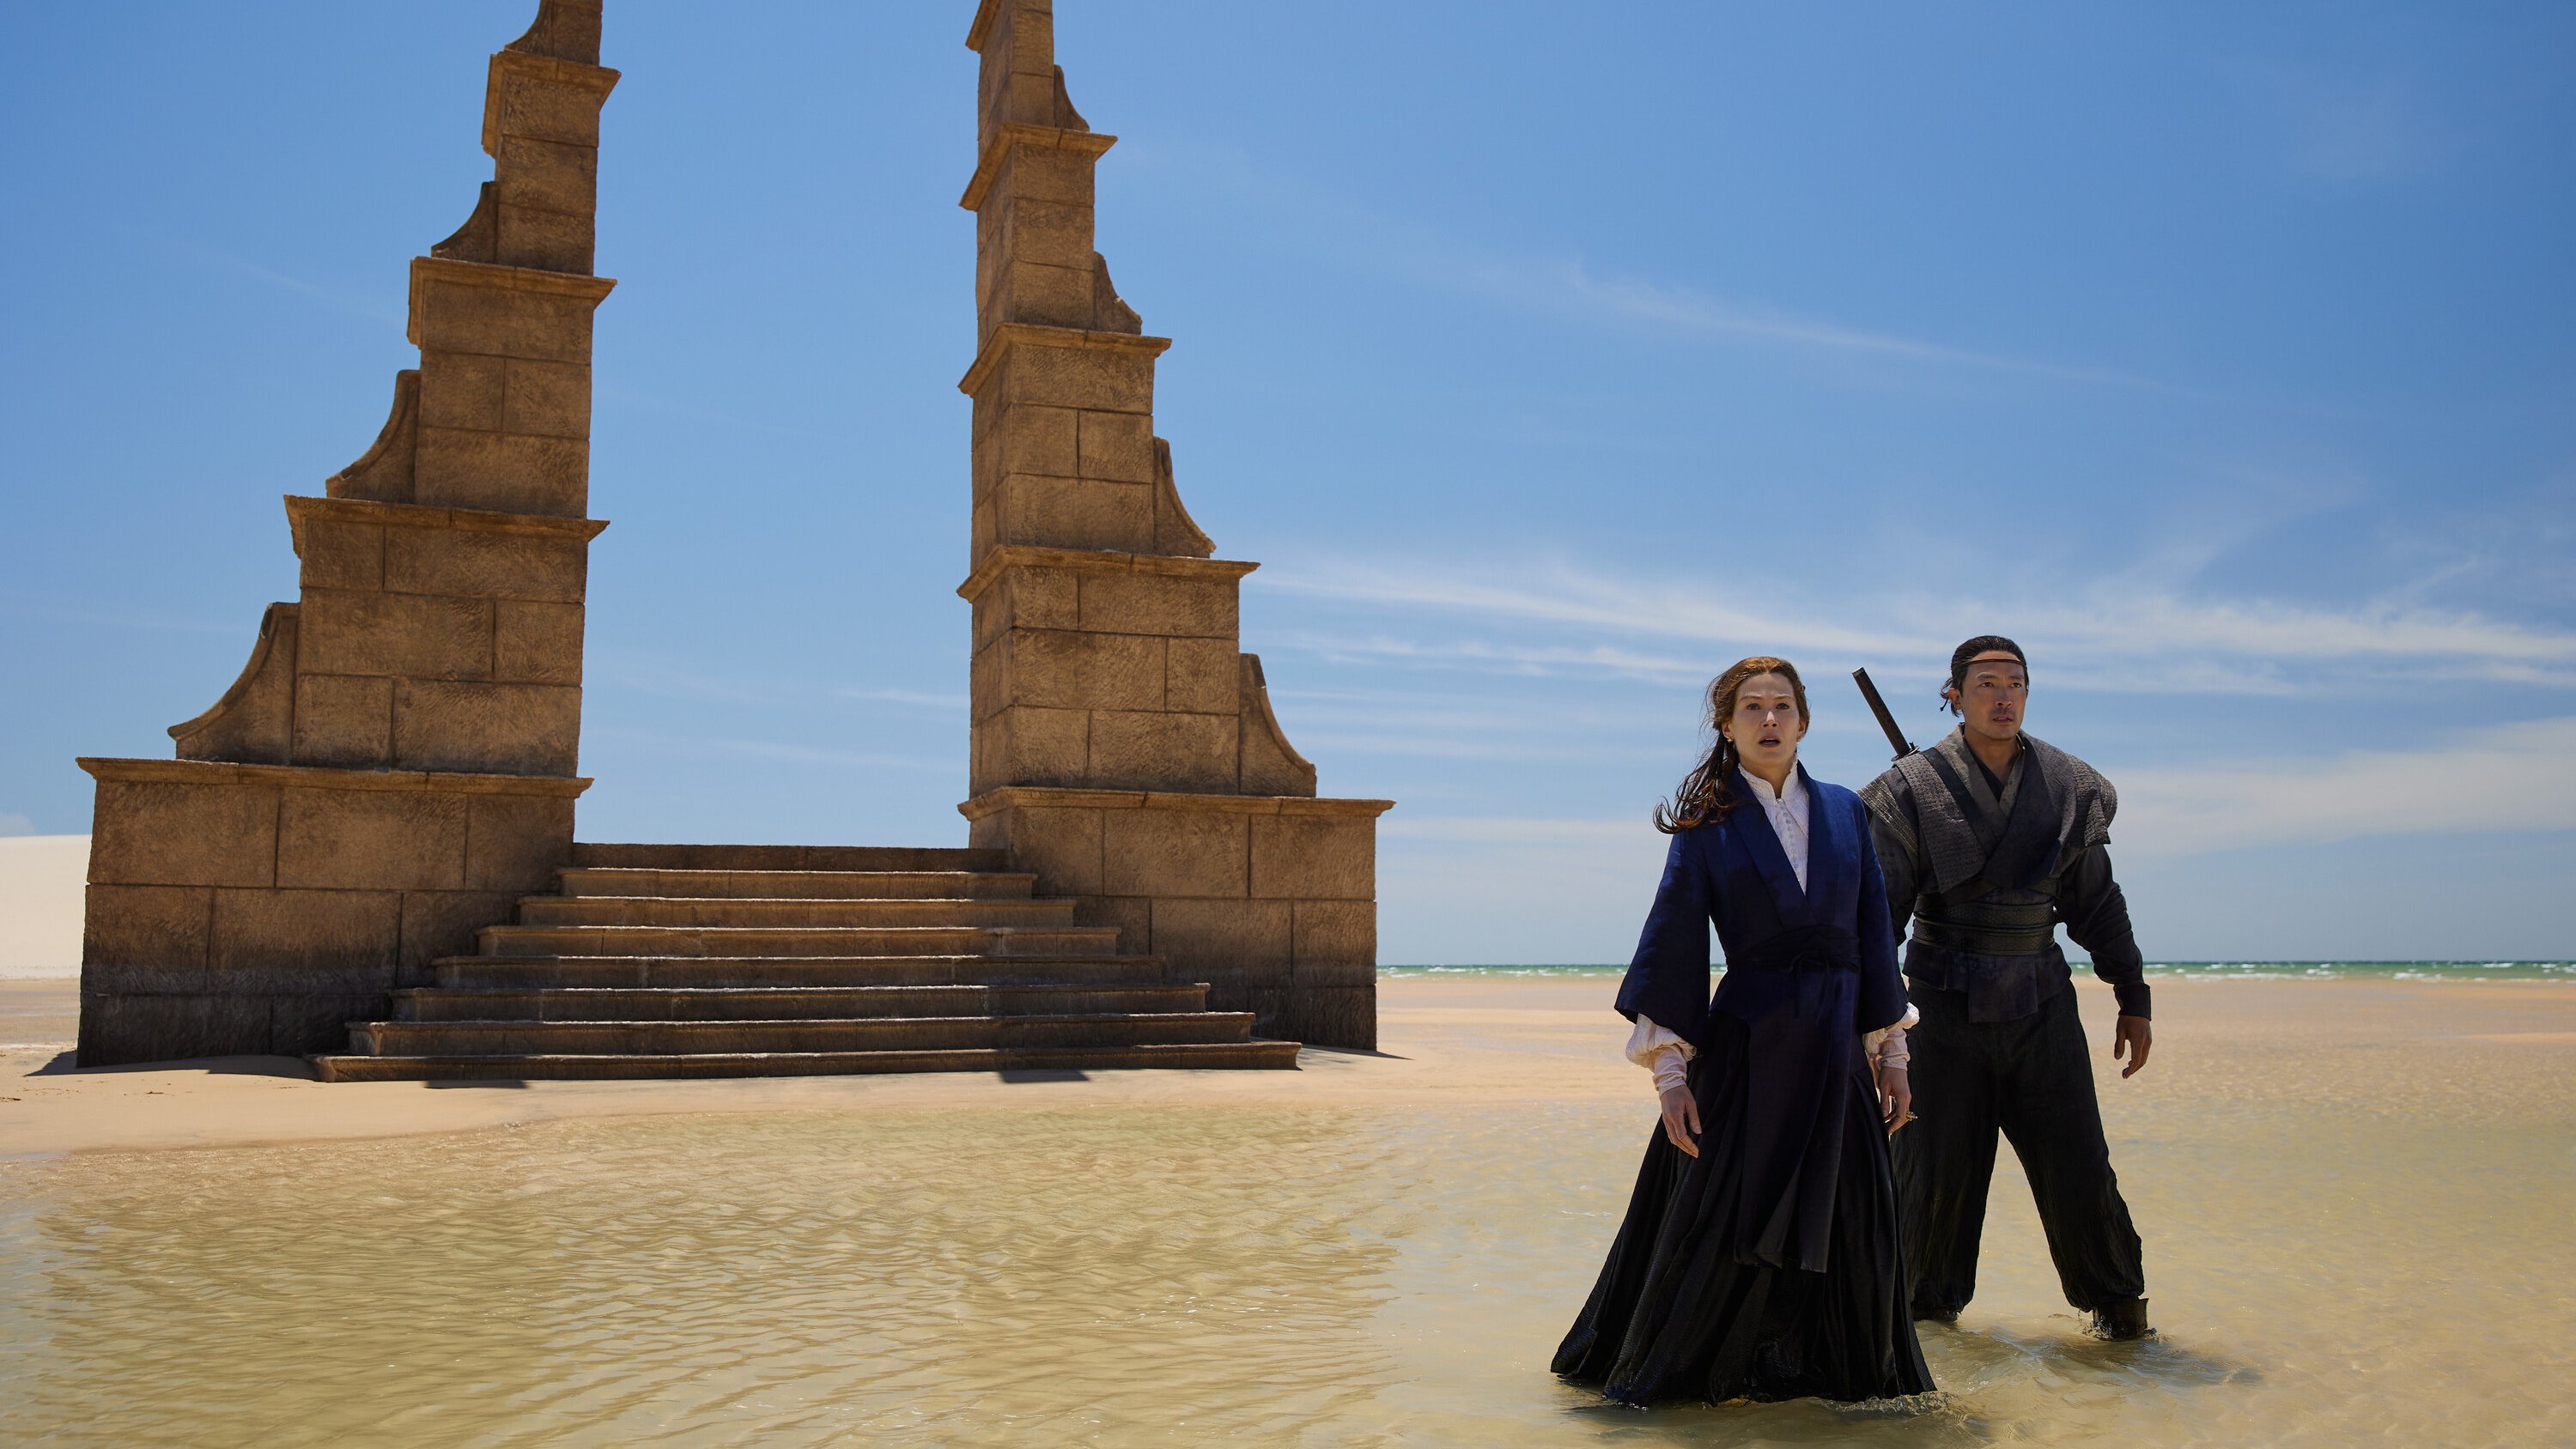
(1870, 1042)
(1650, 1041)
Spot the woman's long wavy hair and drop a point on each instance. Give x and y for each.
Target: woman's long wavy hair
(1704, 794)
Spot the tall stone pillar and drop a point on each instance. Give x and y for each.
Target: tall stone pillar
(397, 762)
(1123, 747)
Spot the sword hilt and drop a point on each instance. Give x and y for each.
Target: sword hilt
(1886, 721)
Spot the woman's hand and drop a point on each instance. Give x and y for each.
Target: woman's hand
(1681, 1118)
(1895, 1098)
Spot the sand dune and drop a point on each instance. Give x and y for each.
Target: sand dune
(40, 905)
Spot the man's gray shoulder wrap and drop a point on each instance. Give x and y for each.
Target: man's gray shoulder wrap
(2085, 801)
(1918, 808)
(1947, 854)
(1889, 800)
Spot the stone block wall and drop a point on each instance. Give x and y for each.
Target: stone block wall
(243, 908)
(1270, 900)
(1108, 670)
(426, 639)
(1122, 744)
(397, 762)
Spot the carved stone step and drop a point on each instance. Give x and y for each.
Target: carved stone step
(785, 857)
(847, 1034)
(807, 884)
(777, 1003)
(1243, 1055)
(682, 911)
(797, 940)
(533, 972)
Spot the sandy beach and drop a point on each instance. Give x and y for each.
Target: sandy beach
(2451, 1051)
(2353, 1195)
(1449, 1041)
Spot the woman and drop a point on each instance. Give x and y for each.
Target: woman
(1759, 1256)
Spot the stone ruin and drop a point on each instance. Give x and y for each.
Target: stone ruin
(1123, 747)
(364, 852)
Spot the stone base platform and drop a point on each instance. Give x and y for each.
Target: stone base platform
(1270, 899)
(250, 909)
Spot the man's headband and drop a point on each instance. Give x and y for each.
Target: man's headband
(1990, 656)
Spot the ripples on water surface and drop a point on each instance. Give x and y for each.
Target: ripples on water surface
(1132, 1276)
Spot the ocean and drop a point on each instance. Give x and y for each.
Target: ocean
(2195, 970)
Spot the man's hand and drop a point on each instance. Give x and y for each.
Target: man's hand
(2134, 1036)
(1895, 1098)
(1681, 1118)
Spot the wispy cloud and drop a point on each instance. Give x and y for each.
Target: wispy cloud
(797, 752)
(636, 400)
(2508, 777)
(56, 611)
(2516, 777)
(668, 678)
(1435, 746)
(366, 305)
(1563, 288)
(1510, 888)
(1532, 726)
(1450, 714)
(2348, 127)
(1521, 888)
(1520, 830)
(2164, 624)
(825, 755)
(1566, 594)
(1568, 288)
(2117, 635)
(1487, 657)
(918, 699)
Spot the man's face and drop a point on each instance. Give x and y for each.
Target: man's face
(1993, 695)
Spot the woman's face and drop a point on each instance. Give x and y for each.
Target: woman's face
(1766, 725)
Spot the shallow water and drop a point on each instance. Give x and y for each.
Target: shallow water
(2324, 1274)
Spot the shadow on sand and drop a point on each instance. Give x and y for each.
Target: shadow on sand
(67, 1064)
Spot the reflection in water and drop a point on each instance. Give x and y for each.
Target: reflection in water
(1141, 1276)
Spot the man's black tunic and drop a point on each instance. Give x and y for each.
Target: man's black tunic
(1986, 868)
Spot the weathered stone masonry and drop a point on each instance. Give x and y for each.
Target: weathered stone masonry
(368, 841)
(395, 766)
(1123, 747)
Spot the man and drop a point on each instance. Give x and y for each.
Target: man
(1989, 840)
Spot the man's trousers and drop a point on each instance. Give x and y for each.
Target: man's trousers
(2033, 1080)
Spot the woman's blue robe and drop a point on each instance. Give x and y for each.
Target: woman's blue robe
(1769, 1265)
(1807, 972)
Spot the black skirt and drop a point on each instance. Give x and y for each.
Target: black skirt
(1693, 1303)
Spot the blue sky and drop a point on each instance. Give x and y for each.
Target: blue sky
(1547, 357)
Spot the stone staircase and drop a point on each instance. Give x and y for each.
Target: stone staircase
(738, 961)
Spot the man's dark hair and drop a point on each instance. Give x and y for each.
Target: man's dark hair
(1959, 657)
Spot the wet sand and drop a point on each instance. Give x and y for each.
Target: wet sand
(1444, 1041)
(2225, 1047)
(2354, 1196)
